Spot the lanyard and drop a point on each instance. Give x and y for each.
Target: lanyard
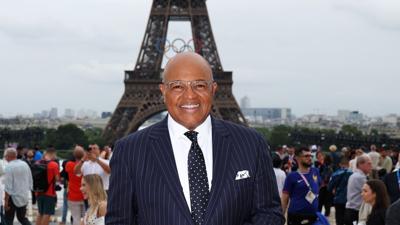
(306, 181)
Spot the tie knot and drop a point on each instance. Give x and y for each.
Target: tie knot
(192, 135)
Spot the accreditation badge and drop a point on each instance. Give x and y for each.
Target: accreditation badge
(310, 197)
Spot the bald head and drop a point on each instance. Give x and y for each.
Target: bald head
(188, 89)
(185, 63)
(10, 154)
(79, 152)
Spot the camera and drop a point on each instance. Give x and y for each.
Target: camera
(58, 187)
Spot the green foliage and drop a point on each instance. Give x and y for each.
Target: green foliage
(27, 137)
(94, 135)
(280, 135)
(264, 132)
(65, 137)
(374, 132)
(351, 131)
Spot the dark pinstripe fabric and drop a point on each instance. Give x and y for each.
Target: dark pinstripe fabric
(145, 187)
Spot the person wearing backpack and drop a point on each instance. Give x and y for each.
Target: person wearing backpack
(47, 198)
(338, 187)
(17, 185)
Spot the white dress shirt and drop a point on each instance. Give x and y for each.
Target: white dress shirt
(280, 179)
(181, 146)
(18, 182)
(90, 167)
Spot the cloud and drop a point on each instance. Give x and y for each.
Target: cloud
(296, 53)
(384, 14)
(97, 72)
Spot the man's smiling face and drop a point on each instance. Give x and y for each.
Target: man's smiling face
(188, 89)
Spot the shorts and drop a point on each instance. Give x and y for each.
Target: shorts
(46, 204)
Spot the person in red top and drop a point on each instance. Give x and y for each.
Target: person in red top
(75, 196)
(47, 200)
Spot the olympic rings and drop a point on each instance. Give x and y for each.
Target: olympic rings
(178, 45)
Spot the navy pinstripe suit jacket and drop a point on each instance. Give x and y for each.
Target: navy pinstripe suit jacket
(145, 187)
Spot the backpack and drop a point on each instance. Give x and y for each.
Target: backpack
(39, 176)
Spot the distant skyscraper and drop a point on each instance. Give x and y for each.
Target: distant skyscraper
(391, 119)
(264, 114)
(81, 114)
(69, 113)
(91, 114)
(350, 116)
(53, 113)
(342, 115)
(45, 114)
(105, 115)
(245, 102)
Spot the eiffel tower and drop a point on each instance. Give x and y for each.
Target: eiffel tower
(142, 98)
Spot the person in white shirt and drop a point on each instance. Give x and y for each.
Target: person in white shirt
(374, 156)
(279, 173)
(17, 187)
(92, 163)
(385, 162)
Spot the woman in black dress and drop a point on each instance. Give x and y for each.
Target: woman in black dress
(374, 192)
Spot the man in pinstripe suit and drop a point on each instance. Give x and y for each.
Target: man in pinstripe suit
(191, 168)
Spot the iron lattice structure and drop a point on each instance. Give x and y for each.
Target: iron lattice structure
(142, 97)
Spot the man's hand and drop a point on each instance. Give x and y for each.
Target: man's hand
(85, 157)
(91, 156)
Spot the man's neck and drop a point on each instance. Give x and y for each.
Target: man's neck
(303, 169)
(362, 172)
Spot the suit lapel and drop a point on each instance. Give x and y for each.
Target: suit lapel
(165, 158)
(221, 146)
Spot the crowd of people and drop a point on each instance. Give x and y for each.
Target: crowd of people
(84, 176)
(361, 184)
(193, 168)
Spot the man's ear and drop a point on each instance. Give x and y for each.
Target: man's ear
(162, 89)
(214, 87)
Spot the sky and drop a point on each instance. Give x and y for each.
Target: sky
(313, 56)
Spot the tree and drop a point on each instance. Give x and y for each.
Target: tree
(66, 136)
(265, 132)
(351, 131)
(374, 132)
(93, 135)
(280, 135)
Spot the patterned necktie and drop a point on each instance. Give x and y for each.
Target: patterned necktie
(198, 182)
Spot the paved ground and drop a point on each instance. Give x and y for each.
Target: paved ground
(32, 211)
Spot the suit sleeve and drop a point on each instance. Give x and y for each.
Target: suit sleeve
(392, 214)
(120, 207)
(267, 208)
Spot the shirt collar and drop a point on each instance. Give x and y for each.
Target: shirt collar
(360, 171)
(177, 130)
